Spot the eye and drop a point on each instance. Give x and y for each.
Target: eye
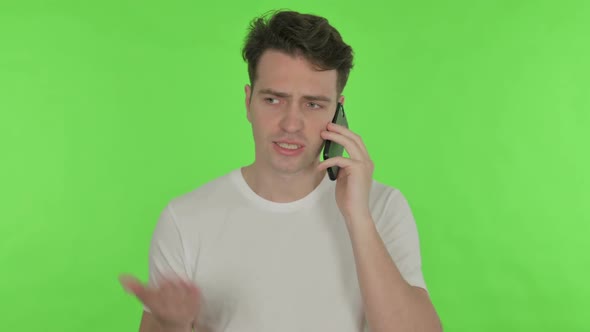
(272, 101)
(314, 105)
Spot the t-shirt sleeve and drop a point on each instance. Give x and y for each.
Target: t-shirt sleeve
(397, 228)
(167, 255)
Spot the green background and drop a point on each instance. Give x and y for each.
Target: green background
(479, 111)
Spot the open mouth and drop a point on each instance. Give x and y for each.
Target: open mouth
(289, 146)
(288, 149)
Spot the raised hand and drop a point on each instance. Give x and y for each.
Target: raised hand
(355, 177)
(175, 303)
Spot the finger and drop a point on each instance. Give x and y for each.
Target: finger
(170, 289)
(133, 286)
(353, 149)
(194, 292)
(350, 134)
(173, 284)
(180, 283)
(176, 288)
(189, 286)
(336, 161)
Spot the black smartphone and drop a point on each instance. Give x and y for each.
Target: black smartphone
(333, 149)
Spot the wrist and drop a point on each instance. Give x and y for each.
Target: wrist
(176, 328)
(359, 217)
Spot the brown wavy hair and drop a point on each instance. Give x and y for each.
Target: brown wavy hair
(298, 34)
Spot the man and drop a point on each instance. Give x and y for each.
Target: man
(276, 245)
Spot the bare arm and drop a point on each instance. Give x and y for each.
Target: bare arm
(390, 303)
(150, 324)
(174, 304)
(171, 296)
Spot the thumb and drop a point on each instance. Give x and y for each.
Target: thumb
(132, 285)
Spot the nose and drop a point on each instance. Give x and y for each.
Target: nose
(292, 120)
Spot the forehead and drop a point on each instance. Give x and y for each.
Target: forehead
(293, 74)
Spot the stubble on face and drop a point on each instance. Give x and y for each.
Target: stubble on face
(296, 79)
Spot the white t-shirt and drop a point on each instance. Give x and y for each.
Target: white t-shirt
(265, 266)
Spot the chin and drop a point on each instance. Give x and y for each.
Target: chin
(294, 168)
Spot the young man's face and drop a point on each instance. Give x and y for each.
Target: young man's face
(291, 102)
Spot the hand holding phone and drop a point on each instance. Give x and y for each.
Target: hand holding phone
(333, 149)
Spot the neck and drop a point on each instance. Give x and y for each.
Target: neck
(282, 188)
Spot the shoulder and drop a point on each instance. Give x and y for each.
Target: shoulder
(208, 189)
(385, 194)
(387, 201)
(216, 194)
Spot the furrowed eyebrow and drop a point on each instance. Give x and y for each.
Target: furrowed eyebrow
(286, 95)
(317, 98)
(274, 93)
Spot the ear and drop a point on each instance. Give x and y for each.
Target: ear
(248, 92)
(341, 99)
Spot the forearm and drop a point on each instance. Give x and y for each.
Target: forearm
(389, 302)
(176, 329)
(186, 329)
(150, 324)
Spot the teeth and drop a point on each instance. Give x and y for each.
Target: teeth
(288, 146)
